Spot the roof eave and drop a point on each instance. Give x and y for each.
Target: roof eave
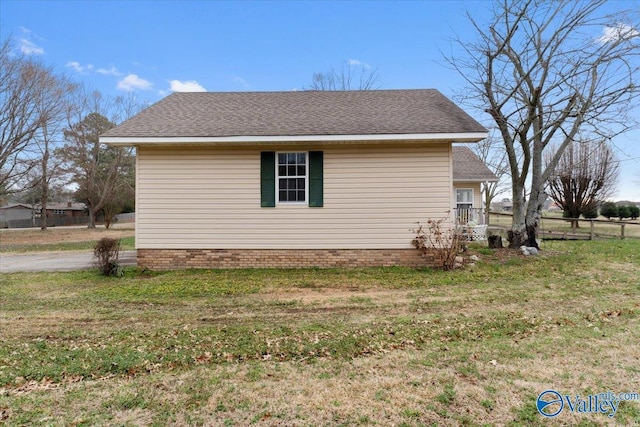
(292, 139)
(475, 180)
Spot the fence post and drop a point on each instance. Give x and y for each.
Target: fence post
(592, 236)
(622, 231)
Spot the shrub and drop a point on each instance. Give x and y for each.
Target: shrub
(634, 212)
(444, 243)
(107, 254)
(591, 213)
(609, 210)
(623, 212)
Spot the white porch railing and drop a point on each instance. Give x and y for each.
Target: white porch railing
(471, 223)
(469, 216)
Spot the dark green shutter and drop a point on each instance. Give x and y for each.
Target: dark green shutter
(268, 179)
(316, 167)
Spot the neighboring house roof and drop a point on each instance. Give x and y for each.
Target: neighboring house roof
(15, 205)
(298, 116)
(65, 206)
(467, 166)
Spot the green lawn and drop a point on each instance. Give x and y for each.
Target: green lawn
(389, 346)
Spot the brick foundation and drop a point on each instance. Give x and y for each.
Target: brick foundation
(172, 259)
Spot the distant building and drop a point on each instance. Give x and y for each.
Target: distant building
(505, 205)
(551, 206)
(65, 209)
(14, 211)
(20, 215)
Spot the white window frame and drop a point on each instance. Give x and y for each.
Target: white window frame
(306, 178)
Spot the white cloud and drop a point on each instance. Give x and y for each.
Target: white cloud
(26, 45)
(111, 71)
(245, 84)
(132, 82)
(75, 66)
(29, 48)
(618, 32)
(357, 62)
(186, 86)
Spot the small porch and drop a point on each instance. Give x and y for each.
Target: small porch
(471, 222)
(470, 216)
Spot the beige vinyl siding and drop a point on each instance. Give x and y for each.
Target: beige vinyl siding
(475, 186)
(209, 198)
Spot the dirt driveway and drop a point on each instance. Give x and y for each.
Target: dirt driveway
(55, 261)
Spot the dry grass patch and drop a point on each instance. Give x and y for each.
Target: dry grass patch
(60, 238)
(324, 347)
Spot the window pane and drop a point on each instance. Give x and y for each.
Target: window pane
(464, 196)
(292, 184)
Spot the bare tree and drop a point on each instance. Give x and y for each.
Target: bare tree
(31, 96)
(102, 173)
(350, 76)
(124, 196)
(543, 76)
(586, 174)
(53, 111)
(491, 151)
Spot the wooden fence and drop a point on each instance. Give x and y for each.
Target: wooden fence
(58, 221)
(573, 228)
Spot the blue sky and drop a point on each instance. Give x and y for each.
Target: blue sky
(154, 47)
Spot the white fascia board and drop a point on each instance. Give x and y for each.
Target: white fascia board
(250, 140)
(475, 180)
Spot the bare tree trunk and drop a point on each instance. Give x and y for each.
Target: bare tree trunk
(45, 187)
(534, 210)
(516, 235)
(92, 219)
(33, 214)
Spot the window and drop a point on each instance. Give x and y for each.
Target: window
(292, 177)
(464, 198)
(464, 205)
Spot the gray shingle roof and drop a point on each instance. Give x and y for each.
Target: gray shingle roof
(15, 205)
(65, 206)
(467, 166)
(227, 114)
